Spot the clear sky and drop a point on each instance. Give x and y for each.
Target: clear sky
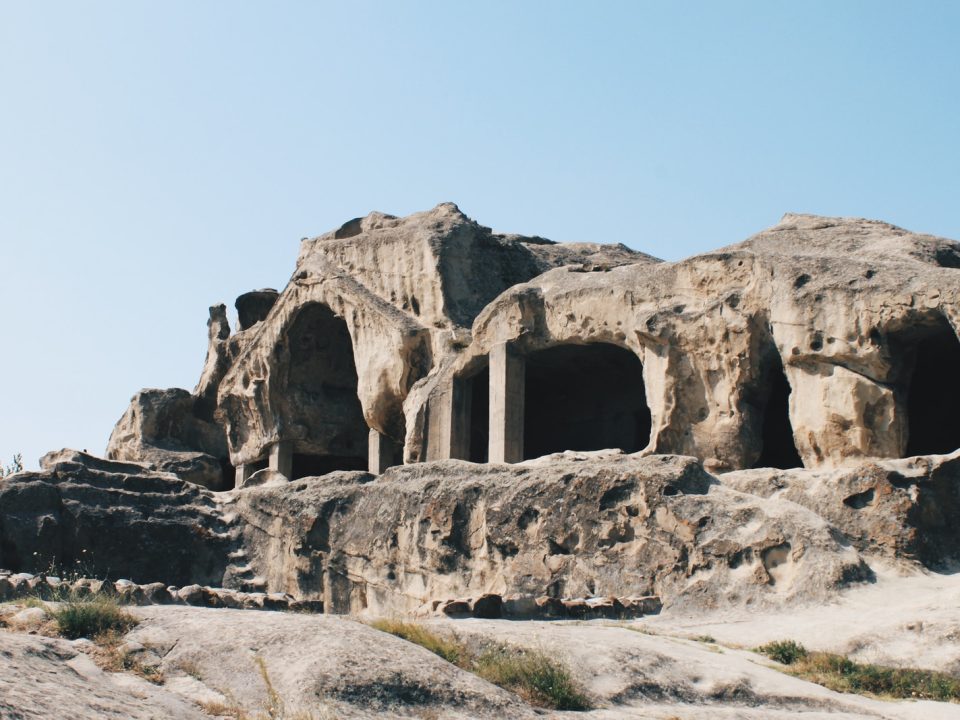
(160, 157)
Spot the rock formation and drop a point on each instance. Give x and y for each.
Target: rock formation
(435, 420)
(818, 343)
(431, 413)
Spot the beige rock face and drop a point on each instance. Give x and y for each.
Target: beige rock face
(570, 526)
(856, 313)
(599, 526)
(820, 342)
(372, 309)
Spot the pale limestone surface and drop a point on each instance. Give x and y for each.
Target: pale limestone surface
(43, 678)
(335, 667)
(906, 618)
(830, 297)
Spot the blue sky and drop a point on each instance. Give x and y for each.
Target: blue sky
(157, 158)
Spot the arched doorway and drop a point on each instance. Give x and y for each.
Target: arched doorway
(320, 411)
(778, 449)
(584, 397)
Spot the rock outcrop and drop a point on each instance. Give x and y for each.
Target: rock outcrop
(102, 518)
(593, 534)
(217, 662)
(819, 343)
(433, 419)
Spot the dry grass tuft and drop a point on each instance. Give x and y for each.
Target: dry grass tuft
(274, 708)
(537, 678)
(92, 617)
(842, 674)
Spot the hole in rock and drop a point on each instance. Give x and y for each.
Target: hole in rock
(479, 389)
(229, 475)
(778, 449)
(320, 398)
(859, 501)
(312, 465)
(932, 363)
(584, 397)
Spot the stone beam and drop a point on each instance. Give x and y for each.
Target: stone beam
(448, 424)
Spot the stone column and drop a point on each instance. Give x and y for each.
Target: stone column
(381, 452)
(281, 458)
(507, 383)
(448, 429)
(243, 473)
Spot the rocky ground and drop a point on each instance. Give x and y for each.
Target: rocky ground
(214, 660)
(856, 561)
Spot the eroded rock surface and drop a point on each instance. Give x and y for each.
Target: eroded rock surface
(818, 343)
(603, 526)
(324, 667)
(43, 678)
(110, 519)
(575, 526)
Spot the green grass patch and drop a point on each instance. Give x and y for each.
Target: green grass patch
(92, 617)
(784, 651)
(536, 677)
(842, 674)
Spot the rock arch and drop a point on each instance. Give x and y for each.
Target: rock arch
(320, 412)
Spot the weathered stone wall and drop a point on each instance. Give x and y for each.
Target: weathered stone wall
(567, 527)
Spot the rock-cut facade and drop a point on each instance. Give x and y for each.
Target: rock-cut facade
(818, 343)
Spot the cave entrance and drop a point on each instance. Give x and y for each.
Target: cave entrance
(479, 440)
(305, 465)
(319, 401)
(584, 397)
(776, 435)
(932, 370)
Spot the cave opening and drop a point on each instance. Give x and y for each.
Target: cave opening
(932, 364)
(320, 409)
(584, 397)
(778, 449)
(229, 473)
(305, 465)
(479, 389)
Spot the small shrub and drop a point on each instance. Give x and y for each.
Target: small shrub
(844, 675)
(275, 708)
(13, 468)
(92, 617)
(784, 651)
(189, 667)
